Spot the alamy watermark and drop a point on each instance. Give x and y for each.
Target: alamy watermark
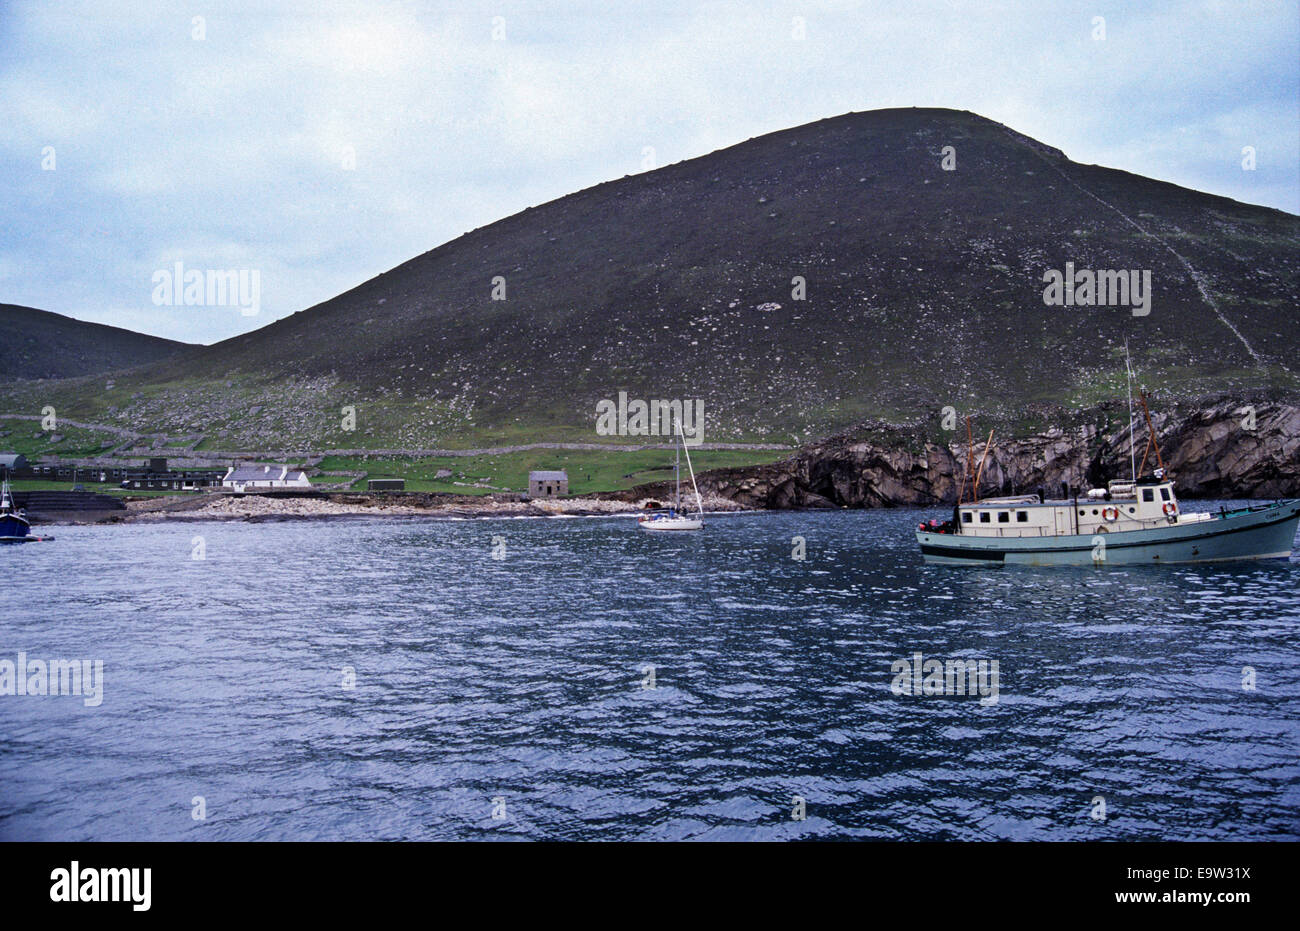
(54, 677)
(651, 418)
(231, 287)
(79, 883)
(1106, 287)
(919, 676)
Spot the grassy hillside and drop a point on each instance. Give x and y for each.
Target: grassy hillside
(923, 289)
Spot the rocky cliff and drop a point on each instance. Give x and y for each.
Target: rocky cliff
(1219, 449)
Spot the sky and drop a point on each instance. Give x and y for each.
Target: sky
(319, 143)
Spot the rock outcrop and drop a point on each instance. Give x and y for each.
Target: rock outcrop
(1221, 449)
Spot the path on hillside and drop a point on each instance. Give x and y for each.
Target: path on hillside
(1197, 279)
(417, 453)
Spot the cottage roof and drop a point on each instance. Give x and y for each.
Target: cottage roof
(256, 473)
(548, 476)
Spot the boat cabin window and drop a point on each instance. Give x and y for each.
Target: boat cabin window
(1148, 494)
(1004, 517)
(1164, 493)
(1022, 517)
(965, 517)
(984, 517)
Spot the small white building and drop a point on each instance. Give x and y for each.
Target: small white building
(262, 477)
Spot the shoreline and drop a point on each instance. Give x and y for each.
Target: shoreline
(257, 509)
(252, 508)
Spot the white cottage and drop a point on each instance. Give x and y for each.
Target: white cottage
(263, 477)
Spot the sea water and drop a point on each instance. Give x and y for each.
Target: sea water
(580, 679)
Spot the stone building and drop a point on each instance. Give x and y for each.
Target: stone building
(548, 484)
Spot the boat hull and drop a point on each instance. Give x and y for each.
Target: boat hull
(1266, 532)
(13, 528)
(670, 524)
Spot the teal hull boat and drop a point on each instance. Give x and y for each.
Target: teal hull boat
(1259, 532)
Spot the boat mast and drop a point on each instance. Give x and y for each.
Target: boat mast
(699, 504)
(677, 474)
(969, 471)
(975, 488)
(1151, 436)
(1132, 442)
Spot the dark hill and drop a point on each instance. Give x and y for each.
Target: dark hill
(39, 344)
(924, 289)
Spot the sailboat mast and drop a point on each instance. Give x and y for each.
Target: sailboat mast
(677, 474)
(699, 503)
(1132, 450)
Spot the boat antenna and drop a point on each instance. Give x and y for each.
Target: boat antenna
(1132, 444)
(699, 505)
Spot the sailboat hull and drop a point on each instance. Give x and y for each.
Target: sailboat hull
(671, 523)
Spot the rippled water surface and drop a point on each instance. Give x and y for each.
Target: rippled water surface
(520, 683)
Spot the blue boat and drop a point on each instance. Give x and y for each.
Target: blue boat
(14, 525)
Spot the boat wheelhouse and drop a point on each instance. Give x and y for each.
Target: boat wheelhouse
(1120, 507)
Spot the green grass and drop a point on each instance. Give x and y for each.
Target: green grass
(589, 470)
(27, 437)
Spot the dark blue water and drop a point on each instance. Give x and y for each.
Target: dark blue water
(523, 680)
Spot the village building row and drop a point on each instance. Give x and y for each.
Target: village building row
(157, 476)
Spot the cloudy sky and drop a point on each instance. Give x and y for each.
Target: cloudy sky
(321, 143)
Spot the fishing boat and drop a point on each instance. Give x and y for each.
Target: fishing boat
(675, 518)
(1128, 523)
(14, 525)
(1134, 522)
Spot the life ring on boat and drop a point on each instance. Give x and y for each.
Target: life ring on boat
(1171, 508)
(1110, 514)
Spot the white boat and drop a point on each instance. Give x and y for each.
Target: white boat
(674, 518)
(1134, 522)
(1128, 523)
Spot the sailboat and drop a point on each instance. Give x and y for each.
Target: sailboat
(14, 526)
(674, 518)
